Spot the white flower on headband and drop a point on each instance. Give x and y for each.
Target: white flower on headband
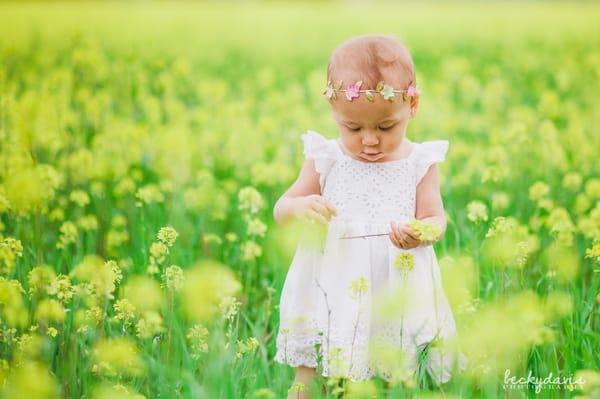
(387, 92)
(329, 92)
(353, 90)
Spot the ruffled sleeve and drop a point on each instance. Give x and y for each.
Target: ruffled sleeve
(429, 153)
(323, 151)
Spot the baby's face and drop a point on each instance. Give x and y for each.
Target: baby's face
(373, 131)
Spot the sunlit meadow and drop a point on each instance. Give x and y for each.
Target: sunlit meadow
(143, 145)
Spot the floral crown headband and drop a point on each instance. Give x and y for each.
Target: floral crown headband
(353, 90)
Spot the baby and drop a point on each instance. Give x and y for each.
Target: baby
(367, 186)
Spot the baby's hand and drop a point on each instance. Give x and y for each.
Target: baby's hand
(403, 236)
(314, 207)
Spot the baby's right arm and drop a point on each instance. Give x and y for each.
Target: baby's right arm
(303, 198)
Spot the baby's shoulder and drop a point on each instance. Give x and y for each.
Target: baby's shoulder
(427, 153)
(317, 146)
(325, 153)
(431, 148)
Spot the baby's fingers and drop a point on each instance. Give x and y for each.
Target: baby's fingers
(411, 242)
(396, 235)
(394, 240)
(397, 229)
(327, 205)
(410, 232)
(314, 215)
(321, 209)
(332, 210)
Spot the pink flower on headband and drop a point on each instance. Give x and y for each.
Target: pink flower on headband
(352, 90)
(412, 90)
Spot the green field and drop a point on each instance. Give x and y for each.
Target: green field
(144, 144)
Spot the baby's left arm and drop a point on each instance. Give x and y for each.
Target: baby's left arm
(430, 207)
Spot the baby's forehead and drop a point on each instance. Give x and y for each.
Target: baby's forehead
(361, 110)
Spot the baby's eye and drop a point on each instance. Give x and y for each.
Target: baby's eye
(353, 129)
(385, 128)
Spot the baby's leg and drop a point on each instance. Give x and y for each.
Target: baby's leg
(304, 375)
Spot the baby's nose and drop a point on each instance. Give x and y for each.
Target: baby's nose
(370, 139)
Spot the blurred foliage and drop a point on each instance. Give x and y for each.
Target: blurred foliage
(143, 145)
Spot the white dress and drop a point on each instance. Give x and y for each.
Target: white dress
(318, 305)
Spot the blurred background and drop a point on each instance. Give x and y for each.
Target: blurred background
(144, 144)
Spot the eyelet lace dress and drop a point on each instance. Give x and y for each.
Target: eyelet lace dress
(350, 296)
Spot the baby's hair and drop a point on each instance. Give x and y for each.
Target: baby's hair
(372, 58)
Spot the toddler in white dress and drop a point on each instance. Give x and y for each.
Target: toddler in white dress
(374, 285)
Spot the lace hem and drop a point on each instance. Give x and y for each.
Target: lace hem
(391, 359)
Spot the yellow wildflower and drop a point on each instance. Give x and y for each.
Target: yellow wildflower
(10, 250)
(49, 311)
(196, 337)
(572, 181)
(229, 307)
(19, 382)
(500, 201)
(124, 311)
(40, 278)
(404, 261)
(12, 306)
(538, 190)
(560, 224)
(149, 194)
(231, 237)
(61, 288)
(211, 237)
(167, 235)
(247, 346)
(359, 286)
(117, 357)
(592, 188)
(79, 197)
(251, 250)
(206, 283)
(250, 199)
(149, 325)
(31, 188)
(68, 234)
(256, 227)
(100, 274)
(477, 211)
(144, 293)
(594, 251)
(173, 278)
(427, 231)
(87, 222)
(563, 260)
(118, 391)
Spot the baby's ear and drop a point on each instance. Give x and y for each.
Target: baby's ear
(414, 104)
